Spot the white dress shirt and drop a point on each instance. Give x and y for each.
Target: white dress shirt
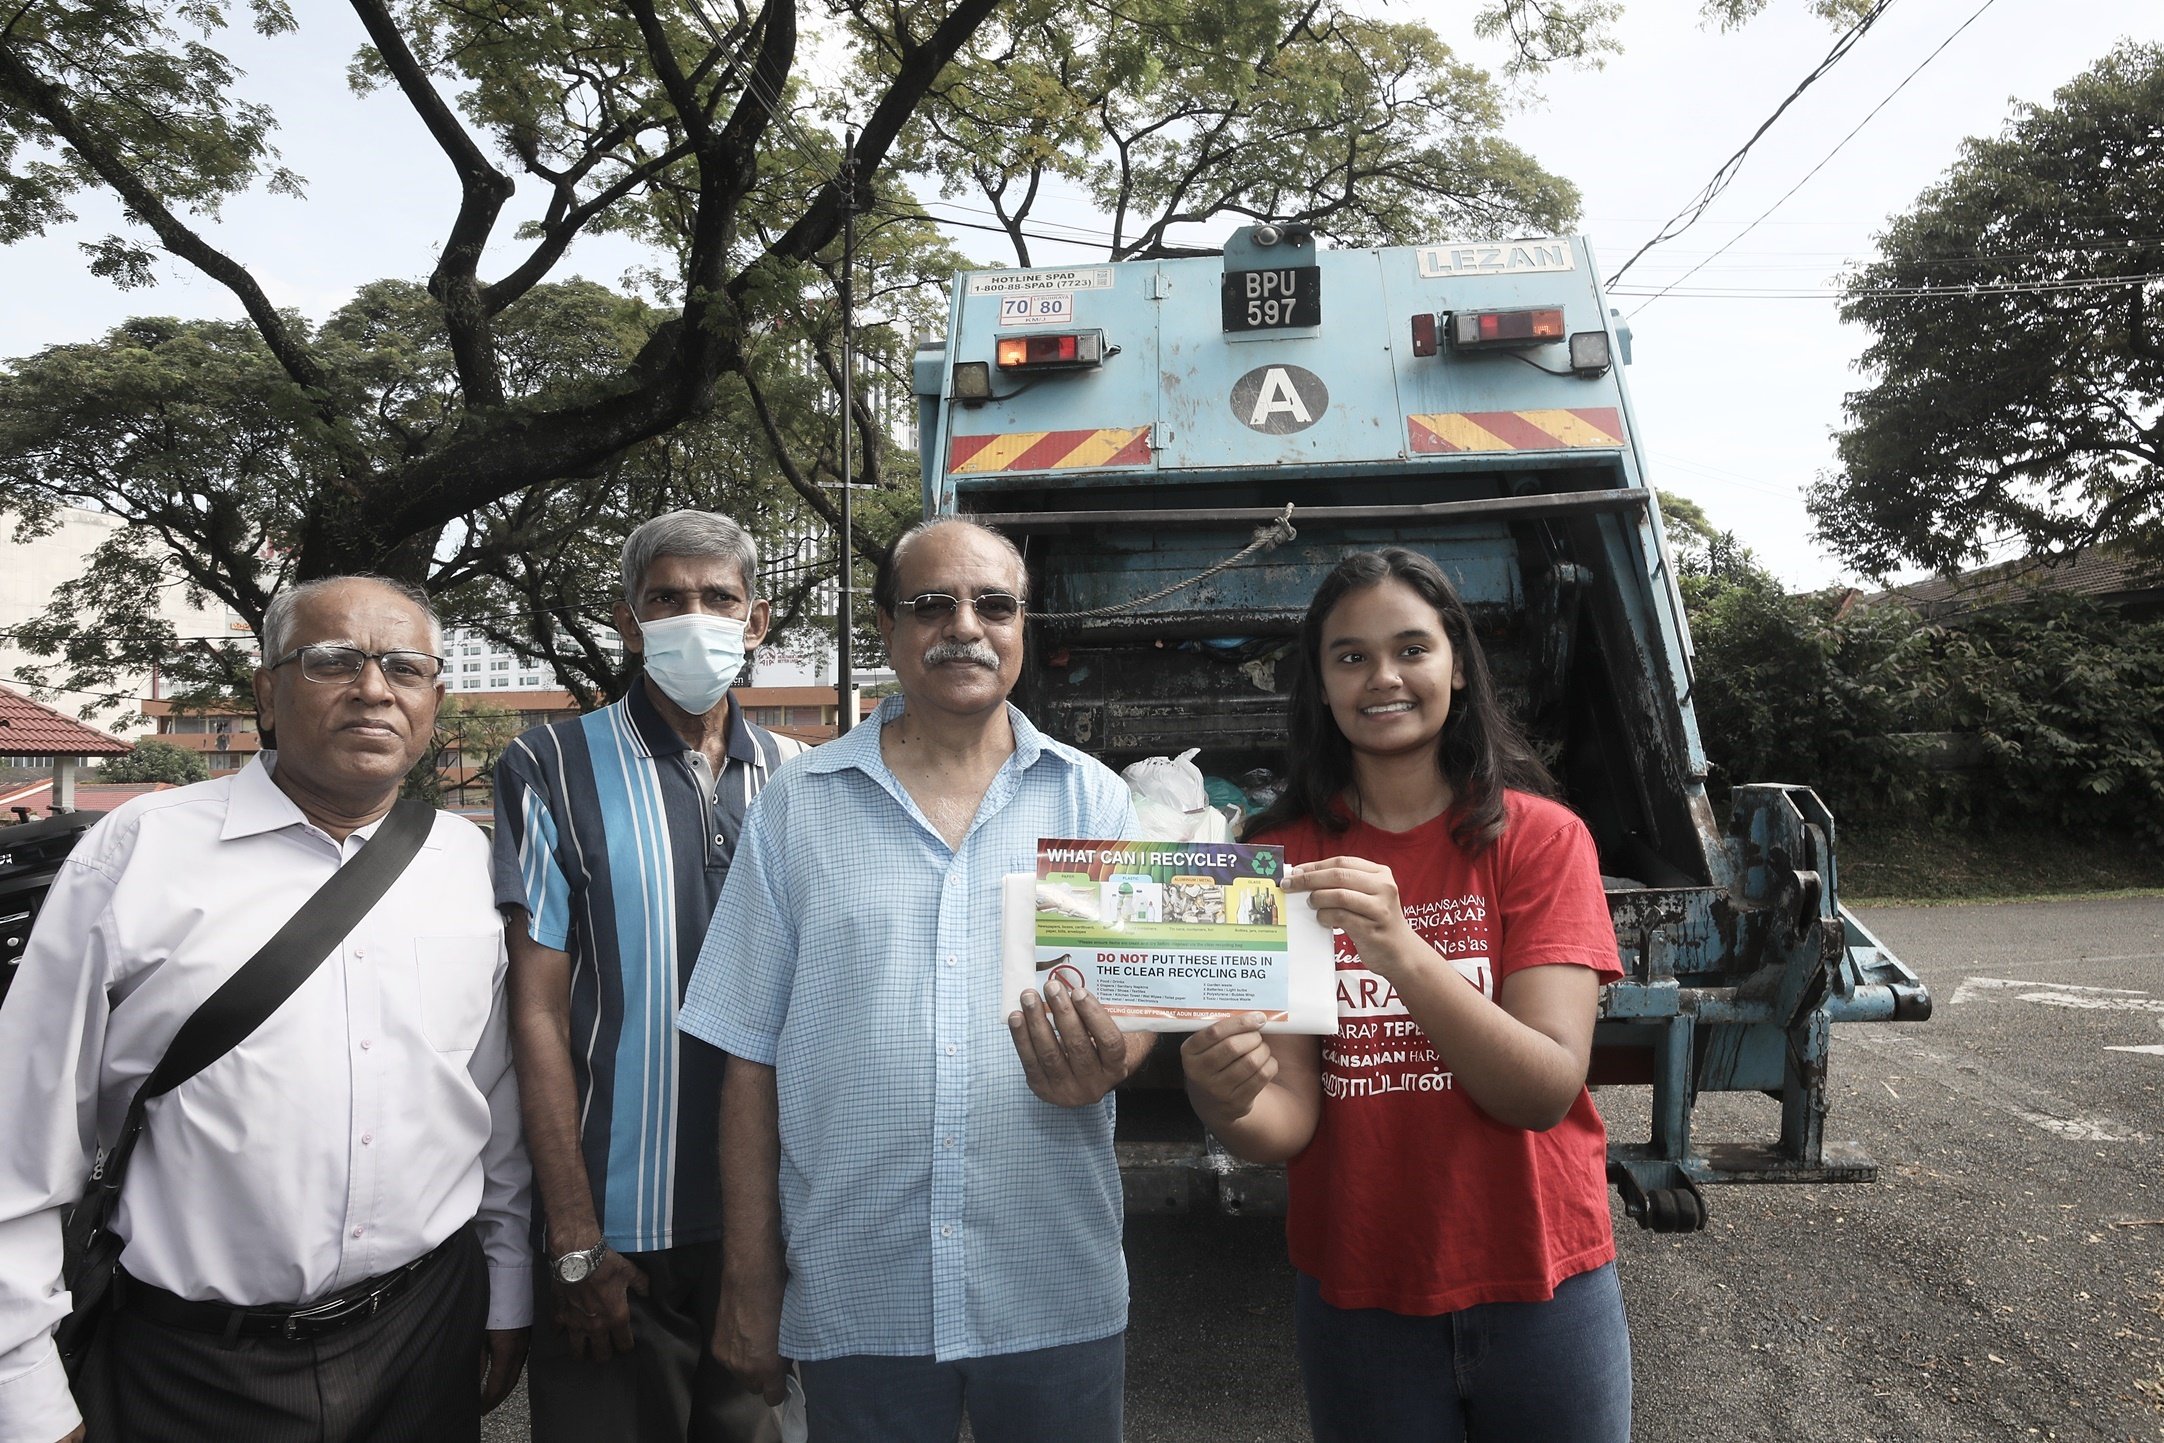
(373, 1115)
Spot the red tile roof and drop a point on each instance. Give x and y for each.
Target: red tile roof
(30, 730)
(2109, 573)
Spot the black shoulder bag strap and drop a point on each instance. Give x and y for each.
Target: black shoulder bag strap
(240, 1005)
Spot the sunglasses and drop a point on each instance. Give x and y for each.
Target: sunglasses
(936, 608)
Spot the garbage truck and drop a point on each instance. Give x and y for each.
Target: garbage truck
(1182, 447)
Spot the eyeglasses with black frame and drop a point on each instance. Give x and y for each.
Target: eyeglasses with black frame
(338, 665)
(937, 608)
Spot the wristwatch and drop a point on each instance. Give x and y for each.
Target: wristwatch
(577, 1267)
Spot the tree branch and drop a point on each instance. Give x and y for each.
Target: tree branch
(483, 190)
(798, 481)
(45, 100)
(920, 67)
(559, 232)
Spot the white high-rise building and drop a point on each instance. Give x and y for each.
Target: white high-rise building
(31, 571)
(474, 663)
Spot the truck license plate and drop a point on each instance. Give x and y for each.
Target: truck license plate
(1273, 299)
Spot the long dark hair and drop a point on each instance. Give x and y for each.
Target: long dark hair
(1482, 752)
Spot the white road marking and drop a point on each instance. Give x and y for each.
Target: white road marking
(2066, 994)
(2154, 1050)
(1994, 1091)
(2094, 1004)
(1973, 988)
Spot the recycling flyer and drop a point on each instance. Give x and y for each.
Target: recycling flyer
(1170, 936)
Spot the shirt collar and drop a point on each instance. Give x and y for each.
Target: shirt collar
(656, 738)
(256, 804)
(860, 748)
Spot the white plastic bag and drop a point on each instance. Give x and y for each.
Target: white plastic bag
(1172, 802)
(789, 1412)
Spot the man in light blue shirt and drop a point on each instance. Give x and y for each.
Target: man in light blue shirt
(933, 1180)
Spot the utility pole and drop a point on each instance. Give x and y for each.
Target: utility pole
(845, 662)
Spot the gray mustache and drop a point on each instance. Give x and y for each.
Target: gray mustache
(979, 652)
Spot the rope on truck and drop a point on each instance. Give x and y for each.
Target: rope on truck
(1276, 532)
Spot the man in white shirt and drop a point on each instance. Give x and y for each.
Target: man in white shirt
(357, 1157)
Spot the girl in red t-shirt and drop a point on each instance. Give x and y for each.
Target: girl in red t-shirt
(1449, 1209)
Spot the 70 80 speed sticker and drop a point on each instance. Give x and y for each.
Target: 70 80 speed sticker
(1037, 310)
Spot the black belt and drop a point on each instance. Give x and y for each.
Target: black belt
(292, 1323)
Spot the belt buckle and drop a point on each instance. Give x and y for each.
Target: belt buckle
(299, 1323)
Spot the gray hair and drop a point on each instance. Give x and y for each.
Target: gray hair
(278, 616)
(688, 533)
(887, 585)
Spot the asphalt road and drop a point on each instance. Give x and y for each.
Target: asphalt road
(2003, 1280)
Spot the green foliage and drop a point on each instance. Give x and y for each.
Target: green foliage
(145, 83)
(1173, 111)
(191, 431)
(2020, 397)
(1542, 33)
(155, 761)
(470, 735)
(422, 407)
(2067, 698)
(1794, 689)
(2063, 698)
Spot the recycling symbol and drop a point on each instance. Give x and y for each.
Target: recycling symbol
(1264, 864)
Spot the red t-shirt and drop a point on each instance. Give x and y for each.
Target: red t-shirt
(1410, 1197)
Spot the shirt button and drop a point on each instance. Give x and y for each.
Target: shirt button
(946, 1230)
(367, 1138)
(950, 961)
(357, 1232)
(360, 952)
(950, 1049)
(367, 1043)
(949, 1142)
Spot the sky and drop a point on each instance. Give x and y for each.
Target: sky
(1738, 398)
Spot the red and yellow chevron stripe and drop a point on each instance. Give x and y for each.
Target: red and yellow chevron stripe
(1049, 450)
(1598, 426)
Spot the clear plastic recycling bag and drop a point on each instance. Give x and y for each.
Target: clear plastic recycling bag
(1172, 801)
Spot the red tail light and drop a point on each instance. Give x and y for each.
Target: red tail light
(1051, 351)
(1470, 330)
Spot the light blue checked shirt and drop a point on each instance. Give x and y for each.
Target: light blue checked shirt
(931, 1203)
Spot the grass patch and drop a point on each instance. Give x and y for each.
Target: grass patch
(1885, 863)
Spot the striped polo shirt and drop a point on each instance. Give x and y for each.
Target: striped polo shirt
(614, 837)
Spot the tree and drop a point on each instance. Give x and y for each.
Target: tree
(1173, 111)
(669, 120)
(191, 432)
(156, 761)
(470, 736)
(2017, 367)
(487, 434)
(1709, 563)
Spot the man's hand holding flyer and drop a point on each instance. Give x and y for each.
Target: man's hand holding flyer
(1169, 936)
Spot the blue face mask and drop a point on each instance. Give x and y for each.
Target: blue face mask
(693, 658)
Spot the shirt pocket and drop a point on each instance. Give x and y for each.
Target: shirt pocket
(457, 984)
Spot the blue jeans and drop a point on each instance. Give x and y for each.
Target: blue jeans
(1553, 1372)
(1071, 1393)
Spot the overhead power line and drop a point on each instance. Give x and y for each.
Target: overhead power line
(1980, 288)
(1974, 16)
(1684, 219)
(891, 211)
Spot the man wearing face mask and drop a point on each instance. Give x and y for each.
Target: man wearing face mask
(613, 834)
